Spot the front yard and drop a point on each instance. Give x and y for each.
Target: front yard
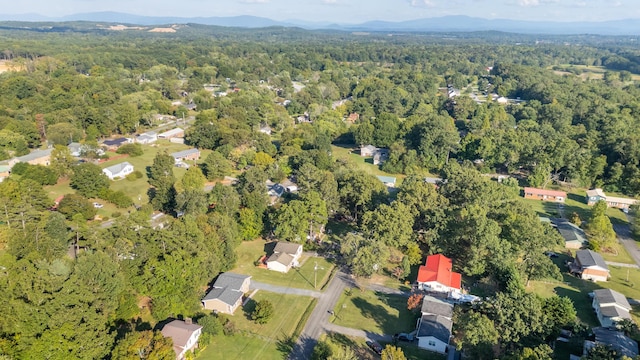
(312, 269)
(362, 351)
(374, 312)
(270, 341)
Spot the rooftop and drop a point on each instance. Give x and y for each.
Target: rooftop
(431, 305)
(184, 153)
(180, 332)
(439, 268)
(282, 258)
(435, 325)
(625, 345)
(608, 296)
(114, 169)
(588, 258)
(286, 247)
(535, 191)
(34, 155)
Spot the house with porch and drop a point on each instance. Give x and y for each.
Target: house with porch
(226, 293)
(437, 275)
(589, 265)
(610, 307)
(189, 154)
(595, 195)
(616, 340)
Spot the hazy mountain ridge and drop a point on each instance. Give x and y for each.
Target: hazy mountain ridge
(437, 24)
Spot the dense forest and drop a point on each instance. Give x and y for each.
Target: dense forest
(84, 86)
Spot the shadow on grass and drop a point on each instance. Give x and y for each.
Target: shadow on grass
(285, 344)
(388, 324)
(248, 308)
(576, 197)
(303, 277)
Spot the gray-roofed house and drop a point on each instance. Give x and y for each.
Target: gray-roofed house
(118, 171)
(173, 133)
(434, 333)
(189, 154)
(184, 334)
(574, 237)
(388, 181)
(590, 265)
(38, 157)
(435, 306)
(285, 256)
(623, 345)
(610, 306)
(226, 293)
(75, 149)
(434, 326)
(148, 137)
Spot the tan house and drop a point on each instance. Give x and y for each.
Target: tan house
(285, 256)
(185, 335)
(226, 293)
(38, 157)
(189, 154)
(590, 265)
(544, 195)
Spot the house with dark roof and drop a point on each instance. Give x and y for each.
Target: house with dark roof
(544, 195)
(437, 275)
(118, 171)
(574, 237)
(435, 306)
(226, 293)
(114, 144)
(285, 256)
(189, 154)
(622, 344)
(185, 335)
(434, 326)
(610, 306)
(589, 265)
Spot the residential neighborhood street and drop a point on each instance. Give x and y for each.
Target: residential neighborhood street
(624, 235)
(255, 285)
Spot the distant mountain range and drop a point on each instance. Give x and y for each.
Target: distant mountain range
(438, 24)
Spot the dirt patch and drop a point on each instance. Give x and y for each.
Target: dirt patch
(6, 65)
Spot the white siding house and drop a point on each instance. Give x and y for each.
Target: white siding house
(118, 171)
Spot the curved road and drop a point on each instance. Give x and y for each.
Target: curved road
(624, 235)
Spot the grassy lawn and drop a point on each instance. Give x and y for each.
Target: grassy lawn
(374, 312)
(362, 351)
(268, 341)
(618, 254)
(577, 289)
(574, 203)
(303, 278)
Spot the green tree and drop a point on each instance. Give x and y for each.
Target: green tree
(162, 179)
(250, 224)
(132, 150)
(144, 345)
(216, 166)
(211, 324)
(391, 352)
(62, 161)
(476, 335)
(390, 224)
(365, 257)
(359, 191)
(88, 179)
(263, 312)
(73, 204)
(600, 232)
(63, 133)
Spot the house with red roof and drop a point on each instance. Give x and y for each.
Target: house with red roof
(544, 195)
(437, 275)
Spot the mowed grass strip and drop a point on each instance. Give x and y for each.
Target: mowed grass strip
(374, 312)
(312, 270)
(270, 341)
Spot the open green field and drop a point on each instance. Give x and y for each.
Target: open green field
(303, 277)
(374, 312)
(589, 72)
(575, 202)
(137, 189)
(270, 341)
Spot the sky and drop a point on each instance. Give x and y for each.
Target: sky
(343, 11)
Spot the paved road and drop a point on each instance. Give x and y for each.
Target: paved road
(318, 320)
(284, 290)
(624, 235)
(622, 264)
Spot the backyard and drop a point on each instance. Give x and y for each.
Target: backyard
(374, 312)
(270, 341)
(347, 153)
(312, 270)
(362, 351)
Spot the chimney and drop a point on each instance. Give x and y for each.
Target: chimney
(188, 321)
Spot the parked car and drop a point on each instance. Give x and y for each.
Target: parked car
(404, 337)
(97, 205)
(377, 348)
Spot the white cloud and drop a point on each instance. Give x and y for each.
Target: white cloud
(330, 1)
(254, 1)
(427, 3)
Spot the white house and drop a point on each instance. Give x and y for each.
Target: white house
(437, 275)
(184, 334)
(148, 137)
(173, 133)
(285, 256)
(434, 326)
(590, 265)
(118, 171)
(610, 307)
